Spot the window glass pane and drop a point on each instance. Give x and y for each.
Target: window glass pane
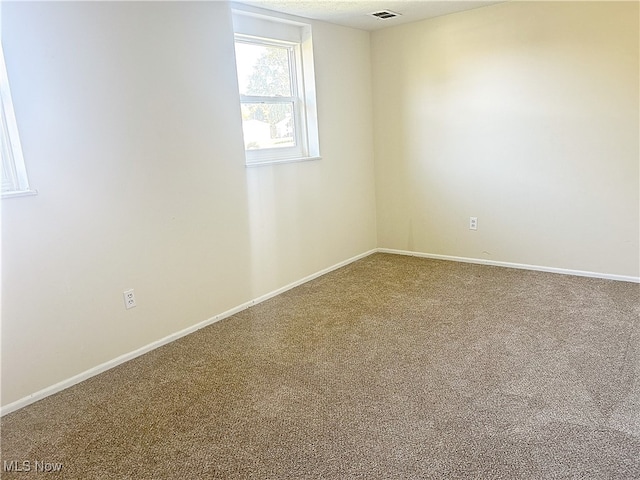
(263, 70)
(268, 125)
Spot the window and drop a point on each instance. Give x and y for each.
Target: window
(276, 83)
(14, 174)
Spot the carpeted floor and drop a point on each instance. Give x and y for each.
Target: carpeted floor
(391, 367)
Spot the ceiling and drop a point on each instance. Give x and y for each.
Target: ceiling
(356, 14)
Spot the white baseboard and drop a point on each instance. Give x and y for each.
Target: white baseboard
(522, 266)
(45, 392)
(34, 397)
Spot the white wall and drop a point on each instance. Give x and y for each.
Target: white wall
(130, 125)
(524, 114)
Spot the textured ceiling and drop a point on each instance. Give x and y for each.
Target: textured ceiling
(357, 13)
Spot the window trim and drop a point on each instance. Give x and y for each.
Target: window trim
(13, 166)
(252, 26)
(300, 149)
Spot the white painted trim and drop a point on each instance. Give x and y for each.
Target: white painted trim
(39, 395)
(262, 163)
(20, 193)
(313, 276)
(521, 266)
(64, 384)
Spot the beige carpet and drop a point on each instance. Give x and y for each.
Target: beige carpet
(391, 367)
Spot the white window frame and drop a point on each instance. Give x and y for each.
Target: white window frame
(261, 29)
(300, 149)
(14, 173)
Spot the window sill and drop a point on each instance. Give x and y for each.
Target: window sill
(23, 193)
(263, 163)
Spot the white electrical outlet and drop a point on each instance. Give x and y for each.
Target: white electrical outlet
(129, 299)
(473, 223)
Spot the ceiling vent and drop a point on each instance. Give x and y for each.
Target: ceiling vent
(385, 14)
